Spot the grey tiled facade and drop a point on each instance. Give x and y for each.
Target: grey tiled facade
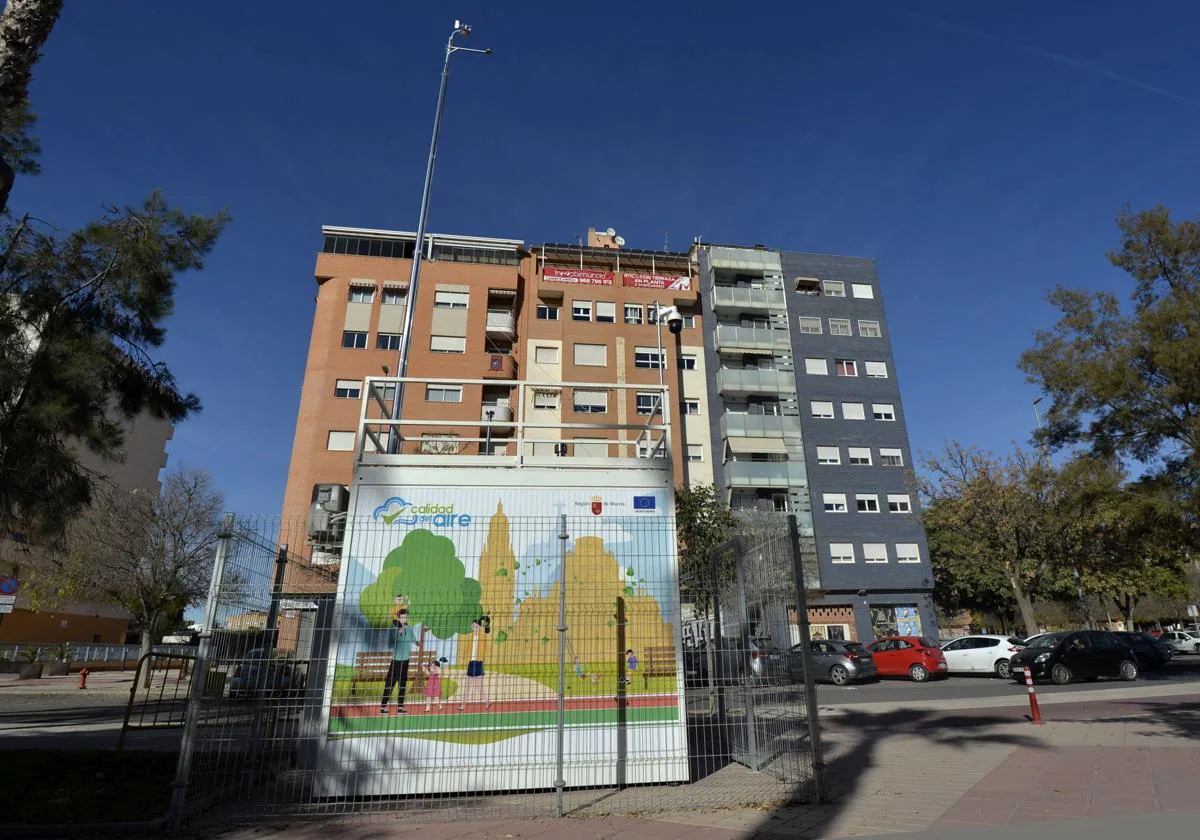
(766, 437)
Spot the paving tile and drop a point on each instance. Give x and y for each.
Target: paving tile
(1131, 805)
(1053, 809)
(980, 810)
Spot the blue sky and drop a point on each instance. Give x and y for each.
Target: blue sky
(978, 151)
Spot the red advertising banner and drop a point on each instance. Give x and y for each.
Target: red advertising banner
(657, 281)
(581, 276)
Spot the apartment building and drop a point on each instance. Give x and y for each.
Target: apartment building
(807, 417)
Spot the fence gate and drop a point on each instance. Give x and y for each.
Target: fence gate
(515, 666)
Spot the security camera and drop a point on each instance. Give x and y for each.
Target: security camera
(673, 319)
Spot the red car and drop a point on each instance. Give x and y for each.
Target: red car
(908, 656)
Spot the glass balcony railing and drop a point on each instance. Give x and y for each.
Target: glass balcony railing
(754, 338)
(764, 473)
(500, 323)
(759, 425)
(742, 298)
(731, 381)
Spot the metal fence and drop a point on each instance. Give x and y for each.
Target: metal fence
(87, 653)
(510, 667)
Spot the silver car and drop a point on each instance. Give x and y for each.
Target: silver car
(1182, 641)
(836, 661)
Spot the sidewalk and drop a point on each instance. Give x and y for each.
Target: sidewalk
(98, 682)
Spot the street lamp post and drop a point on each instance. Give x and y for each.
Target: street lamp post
(460, 29)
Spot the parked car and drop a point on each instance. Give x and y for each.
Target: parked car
(1076, 654)
(1182, 641)
(981, 655)
(833, 660)
(257, 673)
(1151, 653)
(914, 657)
(736, 661)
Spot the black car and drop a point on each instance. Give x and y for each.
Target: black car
(1151, 653)
(1076, 654)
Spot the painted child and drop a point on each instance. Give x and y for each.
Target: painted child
(433, 682)
(631, 662)
(475, 685)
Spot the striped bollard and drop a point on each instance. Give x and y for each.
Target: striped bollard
(1035, 712)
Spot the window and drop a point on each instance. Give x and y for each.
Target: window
(689, 319)
(835, 288)
(347, 389)
(447, 344)
(395, 297)
(908, 553)
(591, 355)
(866, 503)
(340, 442)
(581, 310)
(860, 456)
(647, 403)
(899, 503)
(876, 370)
(841, 552)
(839, 326)
(648, 357)
(590, 402)
(891, 458)
(361, 294)
(816, 367)
(834, 502)
(883, 411)
(545, 400)
(387, 341)
(651, 314)
(869, 329)
(695, 452)
(547, 312)
(545, 355)
(451, 300)
(829, 455)
(443, 393)
(606, 312)
(862, 290)
(875, 552)
(354, 340)
(633, 313)
(822, 409)
(810, 325)
(853, 411)
(846, 367)
(691, 406)
(687, 361)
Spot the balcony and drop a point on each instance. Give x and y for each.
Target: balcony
(742, 298)
(499, 366)
(731, 381)
(763, 474)
(766, 339)
(501, 323)
(501, 414)
(759, 425)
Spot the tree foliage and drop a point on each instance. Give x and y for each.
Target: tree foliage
(702, 522)
(24, 27)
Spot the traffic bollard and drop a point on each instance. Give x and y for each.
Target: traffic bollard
(1035, 712)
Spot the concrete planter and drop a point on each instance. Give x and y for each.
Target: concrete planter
(30, 671)
(56, 669)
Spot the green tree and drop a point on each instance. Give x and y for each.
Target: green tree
(426, 570)
(960, 583)
(1125, 381)
(702, 522)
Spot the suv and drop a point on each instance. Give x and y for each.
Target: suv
(1076, 654)
(1151, 653)
(1182, 641)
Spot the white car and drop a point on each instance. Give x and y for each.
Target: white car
(1182, 641)
(981, 655)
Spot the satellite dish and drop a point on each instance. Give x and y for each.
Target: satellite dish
(611, 233)
(620, 240)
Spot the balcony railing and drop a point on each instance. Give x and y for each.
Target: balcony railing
(730, 381)
(501, 322)
(752, 338)
(742, 298)
(759, 425)
(764, 473)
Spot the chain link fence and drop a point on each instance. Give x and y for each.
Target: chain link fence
(497, 667)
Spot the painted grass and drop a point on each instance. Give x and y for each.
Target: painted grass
(494, 721)
(374, 689)
(605, 682)
(477, 738)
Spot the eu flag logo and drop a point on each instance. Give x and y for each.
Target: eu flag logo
(643, 503)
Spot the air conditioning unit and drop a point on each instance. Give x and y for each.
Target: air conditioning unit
(327, 514)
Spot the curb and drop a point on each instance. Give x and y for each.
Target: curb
(82, 830)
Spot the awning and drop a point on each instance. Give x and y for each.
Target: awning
(395, 284)
(752, 445)
(512, 293)
(362, 283)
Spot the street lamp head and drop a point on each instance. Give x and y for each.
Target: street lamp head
(487, 52)
(462, 28)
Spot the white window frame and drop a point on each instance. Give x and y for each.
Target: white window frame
(891, 453)
(695, 451)
(689, 319)
(815, 406)
(651, 401)
(548, 311)
(829, 455)
(633, 314)
(870, 329)
(650, 357)
(546, 349)
(450, 344)
(854, 408)
(816, 367)
(810, 325)
(606, 312)
(580, 308)
(395, 297)
(845, 367)
(355, 345)
(834, 288)
(866, 502)
(438, 392)
(546, 400)
(886, 409)
(862, 291)
(690, 407)
(840, 326)
(361, 294)
(344, 441)
(875, 370)
(912, 553)
(841, 553)
(901, 501)
(592, 402)
(451, 300)
(687, 361)
(380, 344)
(879, 550)
(352, 387)
(603, 347)
(856, 454)
(834, 503)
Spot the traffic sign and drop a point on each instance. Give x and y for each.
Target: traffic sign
(9, 586)
(1193, 612)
